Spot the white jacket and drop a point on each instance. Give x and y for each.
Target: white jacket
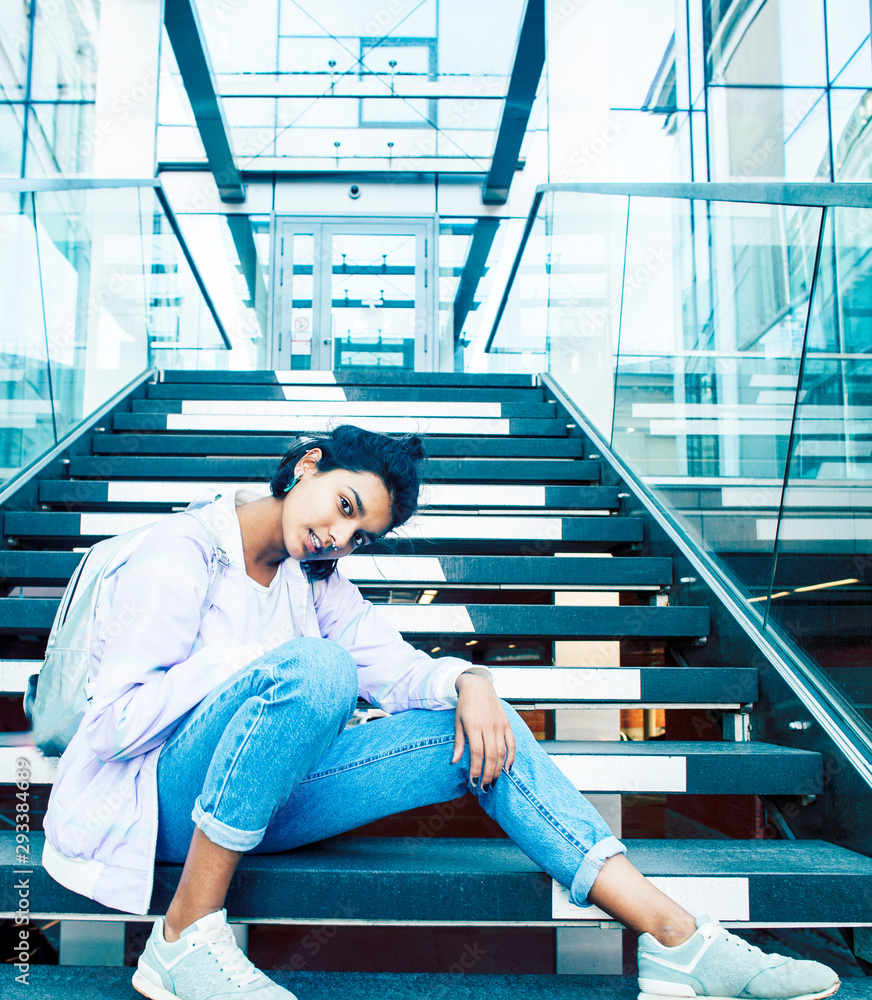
(155, 659)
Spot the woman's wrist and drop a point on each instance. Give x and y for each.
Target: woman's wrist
(464, 678)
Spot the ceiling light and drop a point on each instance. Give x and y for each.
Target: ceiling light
(472, 642)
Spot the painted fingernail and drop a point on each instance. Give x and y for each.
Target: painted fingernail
(474, 782)
(486, 788)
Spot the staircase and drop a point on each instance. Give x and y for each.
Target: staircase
(516, 537)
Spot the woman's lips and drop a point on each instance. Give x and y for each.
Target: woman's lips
(312, 543)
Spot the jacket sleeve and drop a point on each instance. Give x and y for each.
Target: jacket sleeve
(150, 674)
(392, 674)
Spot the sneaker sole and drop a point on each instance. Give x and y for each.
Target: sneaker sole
(691, 995)
(149, 989)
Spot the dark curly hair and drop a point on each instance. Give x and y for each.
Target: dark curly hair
(393, 459)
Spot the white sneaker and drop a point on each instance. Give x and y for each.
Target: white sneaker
(205, 963)
(716, 964)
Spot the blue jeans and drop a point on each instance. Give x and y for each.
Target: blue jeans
(265, 763)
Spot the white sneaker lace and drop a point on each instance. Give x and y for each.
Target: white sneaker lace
(231, 960)
(752, 948)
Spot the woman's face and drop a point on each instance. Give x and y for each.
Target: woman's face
(328, 515)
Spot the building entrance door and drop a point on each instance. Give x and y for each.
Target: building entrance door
(353, 293)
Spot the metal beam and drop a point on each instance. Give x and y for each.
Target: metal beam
(249, 265)
(483, 234)
(526, 72)
(189, 45)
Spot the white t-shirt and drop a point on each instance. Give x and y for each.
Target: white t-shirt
(277, 623)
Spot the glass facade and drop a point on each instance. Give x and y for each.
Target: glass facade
(711, 91)
(48, 83)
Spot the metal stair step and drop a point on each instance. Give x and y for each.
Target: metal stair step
(447, 621)
(470, 881)
(292, 423)
(38, 568)
(540, 687)
(540, 471)
(276, 445)
(652, 767)
(382, 376)
(339, 393)
(64, 982)
(174, 492)
(43, 567)
(479, 529)
(347, 411)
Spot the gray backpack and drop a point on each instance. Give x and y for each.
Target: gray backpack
(58, 696)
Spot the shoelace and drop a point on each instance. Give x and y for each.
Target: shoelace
(753, 949)
(231, 960)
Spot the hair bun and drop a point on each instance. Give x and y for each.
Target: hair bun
(413, 446)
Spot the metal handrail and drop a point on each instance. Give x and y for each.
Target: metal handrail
(828, 705)
(82, 427)
(822, 194)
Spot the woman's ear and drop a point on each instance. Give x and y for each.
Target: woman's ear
(308, 463)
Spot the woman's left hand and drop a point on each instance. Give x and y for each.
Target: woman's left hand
(481, 719)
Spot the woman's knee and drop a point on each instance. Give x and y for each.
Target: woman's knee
(325, 668)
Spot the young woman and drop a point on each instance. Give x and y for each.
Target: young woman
(221, 730)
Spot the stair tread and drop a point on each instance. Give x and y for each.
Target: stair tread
(120, 492)
(351, 393)
(619, 767)
(540, 471)
(59, 982)
(381, 376)
(444, 620)
(348, 410)
(416, 878)
(531, 572)
(288, 423)
(179, 443)
(538, 684)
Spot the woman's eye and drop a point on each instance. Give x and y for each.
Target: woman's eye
(358, 540)
(346, 506)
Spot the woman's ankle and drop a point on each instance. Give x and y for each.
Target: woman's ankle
(673, 933)
(174, 924)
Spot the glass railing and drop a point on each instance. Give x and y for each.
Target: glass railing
(719, 338)
(96, 287)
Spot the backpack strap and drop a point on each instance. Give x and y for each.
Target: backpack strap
(219, 562)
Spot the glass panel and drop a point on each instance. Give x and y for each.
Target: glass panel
(301, 247)
(858, 72)
(14, 48)
(60, 139)
(373, 300)
(851, 111)
(848, 30)
(780, 43)
(65, 52)
(823, 574)
(26, 426)
(758, 134)
(11, 130)
(581, 295)
(93, 287)
(721, 365)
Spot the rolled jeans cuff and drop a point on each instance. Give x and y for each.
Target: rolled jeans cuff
(590, 868)
(223, 835)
